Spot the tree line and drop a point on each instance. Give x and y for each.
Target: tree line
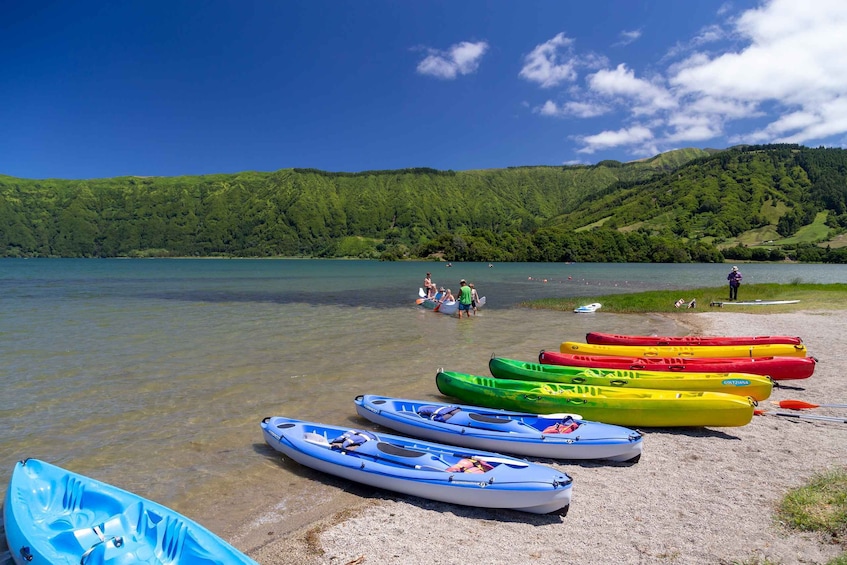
(677, 207)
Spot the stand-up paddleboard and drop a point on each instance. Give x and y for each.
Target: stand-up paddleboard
(754, 303)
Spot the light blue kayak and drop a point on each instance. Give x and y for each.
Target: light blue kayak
(54, 516)
(415, 467)
(557, 436)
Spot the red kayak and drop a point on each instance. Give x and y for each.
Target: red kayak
(777, 368)
(600, 338)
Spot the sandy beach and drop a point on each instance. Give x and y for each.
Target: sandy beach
(704, 495)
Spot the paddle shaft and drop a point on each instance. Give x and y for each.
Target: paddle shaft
(803, 416)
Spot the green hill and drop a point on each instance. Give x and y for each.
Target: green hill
(684, 205)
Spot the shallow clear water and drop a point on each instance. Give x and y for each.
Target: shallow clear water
(154, 374)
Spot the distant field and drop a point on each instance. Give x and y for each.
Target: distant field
(815, 231)
(767, 237)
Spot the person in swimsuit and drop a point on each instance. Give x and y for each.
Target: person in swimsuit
(429, 287)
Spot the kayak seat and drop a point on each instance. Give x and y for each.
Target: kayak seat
(488, 419)
(397, 451)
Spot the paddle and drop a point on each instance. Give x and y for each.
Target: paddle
(801, 405)
(421, 293)
(562, 416)
(801, 416)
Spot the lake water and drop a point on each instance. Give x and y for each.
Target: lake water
(153, 375)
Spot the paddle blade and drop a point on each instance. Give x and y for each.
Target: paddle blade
(796, 404)
(801, 405)
(419, 301)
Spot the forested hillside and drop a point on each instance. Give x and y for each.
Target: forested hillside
(686, 205)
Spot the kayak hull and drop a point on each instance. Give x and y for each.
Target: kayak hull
(53, 515)
(600, 338)
(777, 368)
(742, 384)
(632, 407)
(420, 468)
(503, 431)
(765, 350)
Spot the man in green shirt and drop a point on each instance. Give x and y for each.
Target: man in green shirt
(465, 299)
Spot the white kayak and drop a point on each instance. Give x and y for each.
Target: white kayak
(754, 303)
(588, 308)
(419, 468)
(557, 436)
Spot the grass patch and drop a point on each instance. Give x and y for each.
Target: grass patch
(811, 297)
(819, 506)
(816, 231)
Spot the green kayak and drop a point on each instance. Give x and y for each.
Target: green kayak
(743, 384)
(612, 405)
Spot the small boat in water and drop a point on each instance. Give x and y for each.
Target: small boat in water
(600, 338)
(588, 308)
(624, 407)
(419, 468)
(448, 307)
(777, 368)
(558, 436)
(742, 384)
(56, 516)
(765, 350)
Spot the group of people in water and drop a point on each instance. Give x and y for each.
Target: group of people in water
(468, 298)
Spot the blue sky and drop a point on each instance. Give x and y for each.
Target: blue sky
(93, 89)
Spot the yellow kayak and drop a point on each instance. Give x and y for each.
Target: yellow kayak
(624, 407)
(741, 384)
(699, 351)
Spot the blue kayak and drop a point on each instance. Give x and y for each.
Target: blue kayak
(428, 470)
(558, 436)
(56, 516)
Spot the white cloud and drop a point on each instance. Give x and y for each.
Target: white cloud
(776, 74)
(550, 63)
(572, 108)
(692, 127)
(628, 37)
(611, 139)
(792, 62)
(650, 98)
(461, 59)
(827, 119)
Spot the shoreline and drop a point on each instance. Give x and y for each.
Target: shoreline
(698, 495)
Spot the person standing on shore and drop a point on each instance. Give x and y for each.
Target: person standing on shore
(734, 278)
(465, 299)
